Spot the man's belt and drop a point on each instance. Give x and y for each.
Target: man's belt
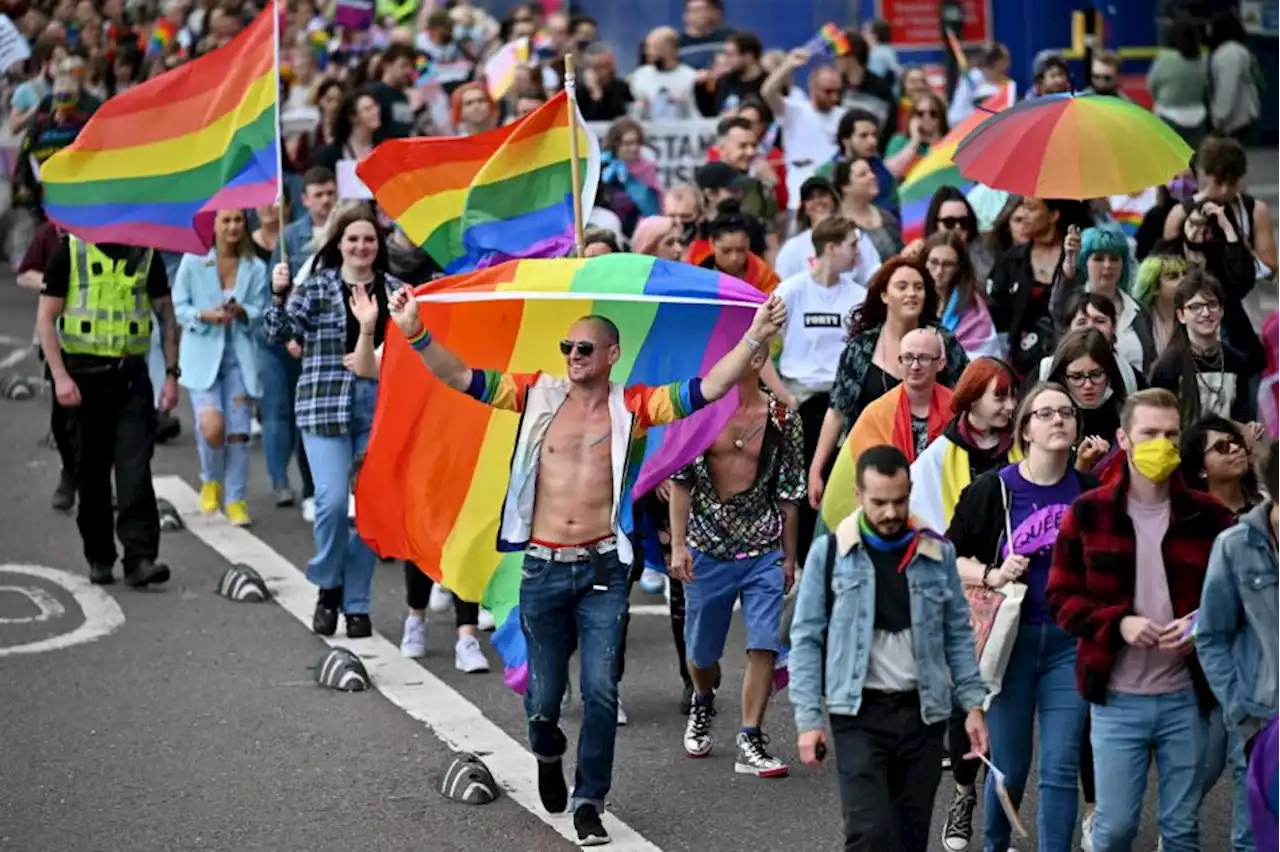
(573, 553)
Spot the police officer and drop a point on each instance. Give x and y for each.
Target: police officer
(94, 324)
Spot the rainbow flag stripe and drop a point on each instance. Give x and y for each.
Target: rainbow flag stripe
(675, 321)
(477, 200)
(829, 41)
(154, 164)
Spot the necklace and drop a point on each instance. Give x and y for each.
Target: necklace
(744, 439)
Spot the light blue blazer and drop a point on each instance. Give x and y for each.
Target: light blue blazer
(197, 288)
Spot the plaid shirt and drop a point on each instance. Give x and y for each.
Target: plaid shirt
(316, 315)
(1093, 575)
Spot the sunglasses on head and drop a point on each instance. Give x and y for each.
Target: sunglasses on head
(1223, 446)
(584, 347)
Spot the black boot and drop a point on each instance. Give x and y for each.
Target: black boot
(359, 626)
(325, 620)
(64, 496)
(101, 575)
(146, 573)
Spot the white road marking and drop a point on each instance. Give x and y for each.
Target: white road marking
(14, 358)
(102, 615)
(6, 340)
(405, 683)
(47, 604)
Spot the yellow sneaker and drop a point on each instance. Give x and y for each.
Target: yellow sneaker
(210, 497)
(238, 514)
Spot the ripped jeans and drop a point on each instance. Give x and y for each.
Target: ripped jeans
(557, 606)
(224, 422)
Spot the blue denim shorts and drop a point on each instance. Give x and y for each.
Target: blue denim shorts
(709, 601)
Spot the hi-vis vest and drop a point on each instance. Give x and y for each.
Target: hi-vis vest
(107, 311)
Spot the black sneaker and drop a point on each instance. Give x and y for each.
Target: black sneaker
(324, 622)
(146, 573)
(551, 786)
(586, 819)
(957, 829)
(102, 575)
(168, 427)
(359, 626)
(64, 496)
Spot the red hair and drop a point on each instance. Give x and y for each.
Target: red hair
(975, 379)
(455, 100)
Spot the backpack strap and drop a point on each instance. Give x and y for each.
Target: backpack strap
(828, 573)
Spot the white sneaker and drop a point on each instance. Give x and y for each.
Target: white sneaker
(413, 644)
(653, 582)
(309, 510)
(255, 428)
(441, 599)
(468, 657)
(351, 507)
(622, 715)
(485, 622)
(1086, 833)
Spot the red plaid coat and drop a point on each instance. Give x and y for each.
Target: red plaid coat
(1091, 580)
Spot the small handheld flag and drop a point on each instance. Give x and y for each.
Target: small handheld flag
(830, 41)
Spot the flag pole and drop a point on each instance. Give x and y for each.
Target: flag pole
(275, 41)
(575, 168)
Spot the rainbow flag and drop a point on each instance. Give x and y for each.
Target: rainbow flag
(163, 34)
(500, 69)
(432, 484)
(504, 194)
(829, 41)
(154, 164)
(936, 169)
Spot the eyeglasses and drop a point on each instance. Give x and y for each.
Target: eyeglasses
(1047, 413)
(953, 222)
(938, 263)
(1223, 446)
(584, 347)
(1203, 309)
(907, 359)
(1093, 377)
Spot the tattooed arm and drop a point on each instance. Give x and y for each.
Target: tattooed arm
(163, 308)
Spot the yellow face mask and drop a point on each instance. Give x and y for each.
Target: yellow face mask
(1156, 459)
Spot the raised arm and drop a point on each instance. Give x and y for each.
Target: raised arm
(721, 378)
(771, 89)
(446, 366)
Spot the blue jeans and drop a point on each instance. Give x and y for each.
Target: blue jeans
(1040, 681)
(342, 558)
(1125, 730)
(229, 463)
(709, 599)
(556, 599)
(280, 435)
(1224, 747)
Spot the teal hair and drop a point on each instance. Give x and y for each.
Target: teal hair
(1150, 271)
(1108, 239)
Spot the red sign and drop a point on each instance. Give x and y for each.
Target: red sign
(917, 24)
(1135, 86)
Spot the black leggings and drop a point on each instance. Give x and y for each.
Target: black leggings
(812, 412)
(655, 510)
(417, 593)
(963, 770)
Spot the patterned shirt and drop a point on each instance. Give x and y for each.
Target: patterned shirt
(749, 523)
(316, 314)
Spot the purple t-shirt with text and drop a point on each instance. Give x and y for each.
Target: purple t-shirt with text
(1035, 513)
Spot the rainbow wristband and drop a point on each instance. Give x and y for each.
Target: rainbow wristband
(421, 340)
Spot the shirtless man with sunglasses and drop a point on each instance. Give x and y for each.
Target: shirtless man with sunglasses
(567, 508)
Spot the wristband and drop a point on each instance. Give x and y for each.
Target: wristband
(421, 340)
(751, 342)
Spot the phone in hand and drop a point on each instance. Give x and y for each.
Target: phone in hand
(820, 751)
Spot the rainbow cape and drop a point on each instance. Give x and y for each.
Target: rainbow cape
(154, 164)
(936, 169)
(504, 194)
(435, 476)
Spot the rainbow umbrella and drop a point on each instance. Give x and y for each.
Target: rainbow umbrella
(1072, 146)
(936, 169)
(1262, 780)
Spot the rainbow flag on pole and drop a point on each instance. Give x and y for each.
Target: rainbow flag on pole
(154, 164)
(477, 200)
(936, 169)
(433, 481)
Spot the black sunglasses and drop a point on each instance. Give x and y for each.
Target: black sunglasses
(1223, 446)
(953, 222)
(585, 347)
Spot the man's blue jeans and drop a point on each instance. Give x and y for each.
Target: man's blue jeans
(1125, 731)
(1039, 682)
(557, 601)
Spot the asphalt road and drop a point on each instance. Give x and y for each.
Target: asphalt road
(194, 722)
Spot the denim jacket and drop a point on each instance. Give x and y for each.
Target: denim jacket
(1237, 632)
(940, 631)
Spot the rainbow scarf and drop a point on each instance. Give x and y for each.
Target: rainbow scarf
(154, 164)
(438, 464)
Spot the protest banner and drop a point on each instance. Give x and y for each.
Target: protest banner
(13, 47)
(677, 146)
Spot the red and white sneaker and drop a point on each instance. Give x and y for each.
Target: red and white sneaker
(754, 758)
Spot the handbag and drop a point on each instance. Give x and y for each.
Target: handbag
(994, 616)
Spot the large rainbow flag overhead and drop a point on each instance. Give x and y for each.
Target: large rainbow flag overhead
(154, 164)
(433, 481)
(936, 169)
(478, 200)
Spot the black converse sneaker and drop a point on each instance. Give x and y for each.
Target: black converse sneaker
(754, 758)
(957, 829)
(586, 820)
(697, 731)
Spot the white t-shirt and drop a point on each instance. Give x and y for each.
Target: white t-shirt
(794, 256)
(814, 335)
(808, 140)
(667, 94)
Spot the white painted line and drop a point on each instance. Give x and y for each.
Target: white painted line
(406, 684)
(15, 358)
(102, 615)
(6, 340)
(47, 604)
